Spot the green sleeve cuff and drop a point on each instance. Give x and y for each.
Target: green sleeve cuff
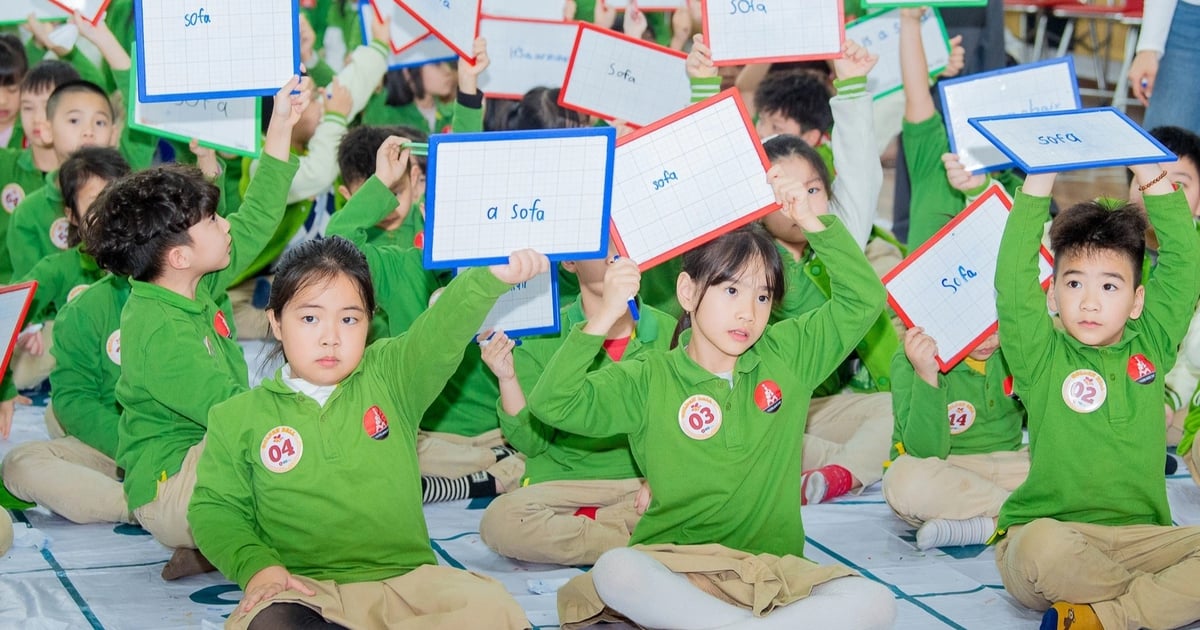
(383, 48)
(850, 86)
(705, 87)
(978, 190)
(335, 117)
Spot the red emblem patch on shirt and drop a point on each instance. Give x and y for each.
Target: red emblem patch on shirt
(419, 240)
(375, 423)
(767, 396)
(1141, 369)
(1008, 386)
(221, 326)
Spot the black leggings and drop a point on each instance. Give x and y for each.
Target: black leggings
(286, 616)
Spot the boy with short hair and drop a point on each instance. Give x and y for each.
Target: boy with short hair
(160, 228)
(1088, 536)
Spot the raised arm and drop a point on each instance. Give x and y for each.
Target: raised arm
(1025, 325)
(918, 401)
(1174, 287)
(859, 172)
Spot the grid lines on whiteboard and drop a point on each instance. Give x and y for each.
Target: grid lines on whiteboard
(627, 81)
(564, 176)
(455, 25)
(1103, 136)
(531, 307)
(954, 318)
(788, 28)
(715, 163)
(240, 48)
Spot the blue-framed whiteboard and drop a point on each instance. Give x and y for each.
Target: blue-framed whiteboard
(429, 49)
(1049, 85)
(527, 309)
(227, 49)
(489, 194)
(1052, 142)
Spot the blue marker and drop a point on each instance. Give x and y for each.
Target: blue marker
(633, 307)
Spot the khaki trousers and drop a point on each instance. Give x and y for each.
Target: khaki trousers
(1134, 576)
(959, 487)
(1192, 459)
(429, 598)
(69, 478)
(537, 523)
(166, 516)
(6, 531)
(29, 371)
(53, 426)
(452, 456)
(251, 322)
(853, 431)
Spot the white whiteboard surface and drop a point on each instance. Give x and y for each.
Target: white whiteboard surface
(529, 308)
(455, 22)
(1065, 141)
(17, 11)
(1037, 87)
(404, 31)
(528, 9)
(525, 54)
(490, 194)
(688, 179)
(427, 49)
(89, 9)
(750, 31)
(221, 48)
(948, 285)
(880, 34)
(614, 77)
(14, 303)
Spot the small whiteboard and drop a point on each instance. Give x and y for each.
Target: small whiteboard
(1035, 87)
(760, 31)
(688, 179)
(90, 10)
(216, 49)
(529, 308)
(490, 194)
(17, 11)
(428, 49)
(646, 5)
(888, 4)
(455, 22)
(527, 9)
(405, 30)
(948, 285)
(525, 54)
(879, 33)
(1052, 142)
(613, 76)
(14, 305)
(233, 124)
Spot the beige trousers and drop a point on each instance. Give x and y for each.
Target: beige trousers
(166, 516)
(6, 531)
(853, 431)
(427, 598)
(29, 371)
(251, 322)
(452, 456)
(1192, 460)
(959, 487)
(537, 523)
(53, 426)
(1135, 576)
(69, 478)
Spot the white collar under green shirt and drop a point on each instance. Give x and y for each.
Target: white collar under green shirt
(319, 393)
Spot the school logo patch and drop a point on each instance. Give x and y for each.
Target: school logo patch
(700, 417)
(1084, 391)
(11, 196)
(767, 396)
(112, 347)
(375, 423)
(281, 449)
(58, 232)
(1141, 369)
(75, 291)
(419, 240)
(221, 326)
(962, 416)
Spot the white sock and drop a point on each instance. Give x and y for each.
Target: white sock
(849, 603)
(647, 592)
(813, 485)
(942, 532)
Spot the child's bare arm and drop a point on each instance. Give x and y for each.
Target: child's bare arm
(496, 349)
(914, 68)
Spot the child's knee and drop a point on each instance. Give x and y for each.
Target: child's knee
(618, 570)
(499, 528)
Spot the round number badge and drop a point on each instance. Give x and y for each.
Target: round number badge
(962, 416)
(1084, 391)
(700, 417)
(281, 449)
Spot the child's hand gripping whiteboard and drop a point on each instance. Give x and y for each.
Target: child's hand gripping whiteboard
(529, 308)
(526, 9)
(688, 179)
(1035, 87)
(405, 30)
(455, 22)
(615, 77)
(1051, 142)
(428, 49)
(17, 11)
(754, 31)
(90, 10)
(490, 194)
(948, 285)
(525, 54)
(879, 33)
(14, 305)
(216, 49)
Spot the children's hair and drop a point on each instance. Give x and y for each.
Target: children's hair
(797, 94)
(785, 145)
(1092, 226)
(139, 218)
(79, 86)
(356, 152)
(47, 75)
(1179, 141)
(539, 109)
(499, 114)
(727, 258)
(84, 164)
(13, 62)
(404, 85)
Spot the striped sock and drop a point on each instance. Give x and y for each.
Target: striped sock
(440, 489)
